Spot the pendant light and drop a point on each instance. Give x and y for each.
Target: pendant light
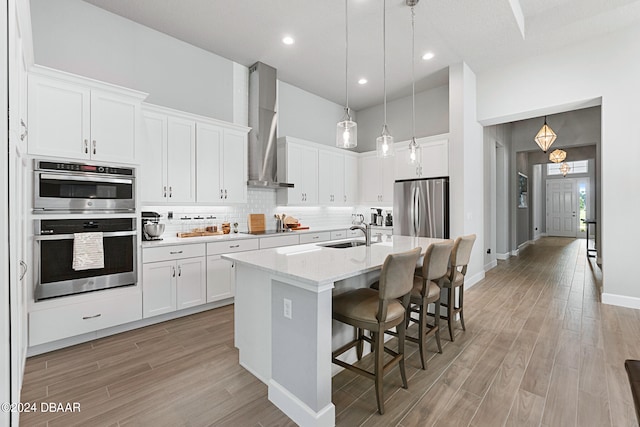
(545, 136)
(557, 156)
(565, 168)
(384, 143)
(415, 152)
(347, 128)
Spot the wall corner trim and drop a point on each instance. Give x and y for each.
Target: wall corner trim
(473, 280)
(621, 300)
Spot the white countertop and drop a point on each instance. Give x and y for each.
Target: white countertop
(174, 240)
(318, 265)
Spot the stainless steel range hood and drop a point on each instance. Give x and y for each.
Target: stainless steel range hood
(263, 119)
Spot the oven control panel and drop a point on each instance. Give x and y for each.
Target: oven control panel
(82, 167)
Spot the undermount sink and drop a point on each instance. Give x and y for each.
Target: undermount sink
(344, 245)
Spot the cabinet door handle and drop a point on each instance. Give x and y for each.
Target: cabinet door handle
(174, 272)
(86, 146)
(175, 252)
(221, 194)
(302, 197)
(179, 270)
(164, 189)
(170, 191)
(24, 269)
(225, 193)
(26, 131)
(91, 317)
(234, 246)
(345, 197)
(315, 237)
(94, 146)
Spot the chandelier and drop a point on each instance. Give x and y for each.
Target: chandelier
(545, 136)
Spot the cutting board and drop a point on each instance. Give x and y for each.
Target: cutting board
(256, 223)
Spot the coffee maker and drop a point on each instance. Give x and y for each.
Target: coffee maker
(152, 229)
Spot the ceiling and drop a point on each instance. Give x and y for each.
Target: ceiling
(482, 33)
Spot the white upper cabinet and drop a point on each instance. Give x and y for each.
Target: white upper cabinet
(74, 120)
(351, 179)
(331, 178)
(191, 159)
(376, 180)
(221, 164)
(297, 164)
(433, 163)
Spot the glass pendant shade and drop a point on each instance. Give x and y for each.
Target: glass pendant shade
(565, 168)
(557, 156)
(545, 137)
(415, 152)
(346, 132)
(384, 144)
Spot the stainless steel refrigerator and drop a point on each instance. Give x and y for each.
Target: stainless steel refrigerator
(421, 207)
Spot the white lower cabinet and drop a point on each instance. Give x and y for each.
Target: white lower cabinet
(220, 278)
(315, 237)
(220, 274)
(68, 320)
(173, 278)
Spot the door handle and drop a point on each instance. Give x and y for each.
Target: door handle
(174, 272)
(86, 146)
(170, 191)
(164, 189)
(225, 194)
(179, 270)
(221, 194)
(26, 131)
(94, 146)
(91, 317)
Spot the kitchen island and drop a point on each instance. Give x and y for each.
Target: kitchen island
(283, 325)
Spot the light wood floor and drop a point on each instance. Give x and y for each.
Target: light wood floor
(539, 350)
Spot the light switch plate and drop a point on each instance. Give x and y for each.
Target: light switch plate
(287, 308)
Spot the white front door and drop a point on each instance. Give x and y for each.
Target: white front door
(562, 207)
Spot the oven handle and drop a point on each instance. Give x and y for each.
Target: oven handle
(84, 178)
(70, 236)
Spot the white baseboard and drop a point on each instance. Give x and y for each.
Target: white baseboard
(515, 252)
(490, 265)
(503, 256)
(621, 300)
(472, 280)
(299, 411)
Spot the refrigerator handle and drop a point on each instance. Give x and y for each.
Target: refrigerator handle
(416, 211)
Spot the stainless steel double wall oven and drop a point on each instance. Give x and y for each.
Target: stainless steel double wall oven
(93, 198)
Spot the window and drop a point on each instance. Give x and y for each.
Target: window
(581, 166)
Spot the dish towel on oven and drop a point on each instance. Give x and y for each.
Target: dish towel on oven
(88, 251)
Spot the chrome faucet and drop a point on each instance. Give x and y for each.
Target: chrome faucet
(366, 229)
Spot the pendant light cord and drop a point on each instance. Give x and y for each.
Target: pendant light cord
(384, 59)
(413, 71)
(346, 58)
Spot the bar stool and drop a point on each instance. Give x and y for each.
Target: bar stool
(426, 290)
(378, 311)
(455, 279)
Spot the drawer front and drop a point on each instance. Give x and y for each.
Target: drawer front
(76, 319)
(227, 247)
(355, 233)
(315, 237)
(277, 241)
(341, 234)
(168, 253)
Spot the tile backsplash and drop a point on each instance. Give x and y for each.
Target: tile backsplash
(258, 201)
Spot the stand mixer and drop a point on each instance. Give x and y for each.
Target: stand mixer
(152, 229)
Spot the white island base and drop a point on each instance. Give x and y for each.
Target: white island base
(283, 325)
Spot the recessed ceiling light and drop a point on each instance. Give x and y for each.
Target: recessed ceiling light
(363, 81)
(427, 56)
(288, 40)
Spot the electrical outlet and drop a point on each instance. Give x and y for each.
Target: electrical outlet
(287, 308)
(489, 250)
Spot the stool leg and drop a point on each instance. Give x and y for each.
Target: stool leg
(450, 305)
(462, 308)
(360, 345)
(436, 324)
(402, 331)
(379, 368)
(421, 334)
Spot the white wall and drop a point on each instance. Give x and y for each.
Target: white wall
(605, 67)
(77, 37)
(304, 115)
(432, 118)
(466, 165)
